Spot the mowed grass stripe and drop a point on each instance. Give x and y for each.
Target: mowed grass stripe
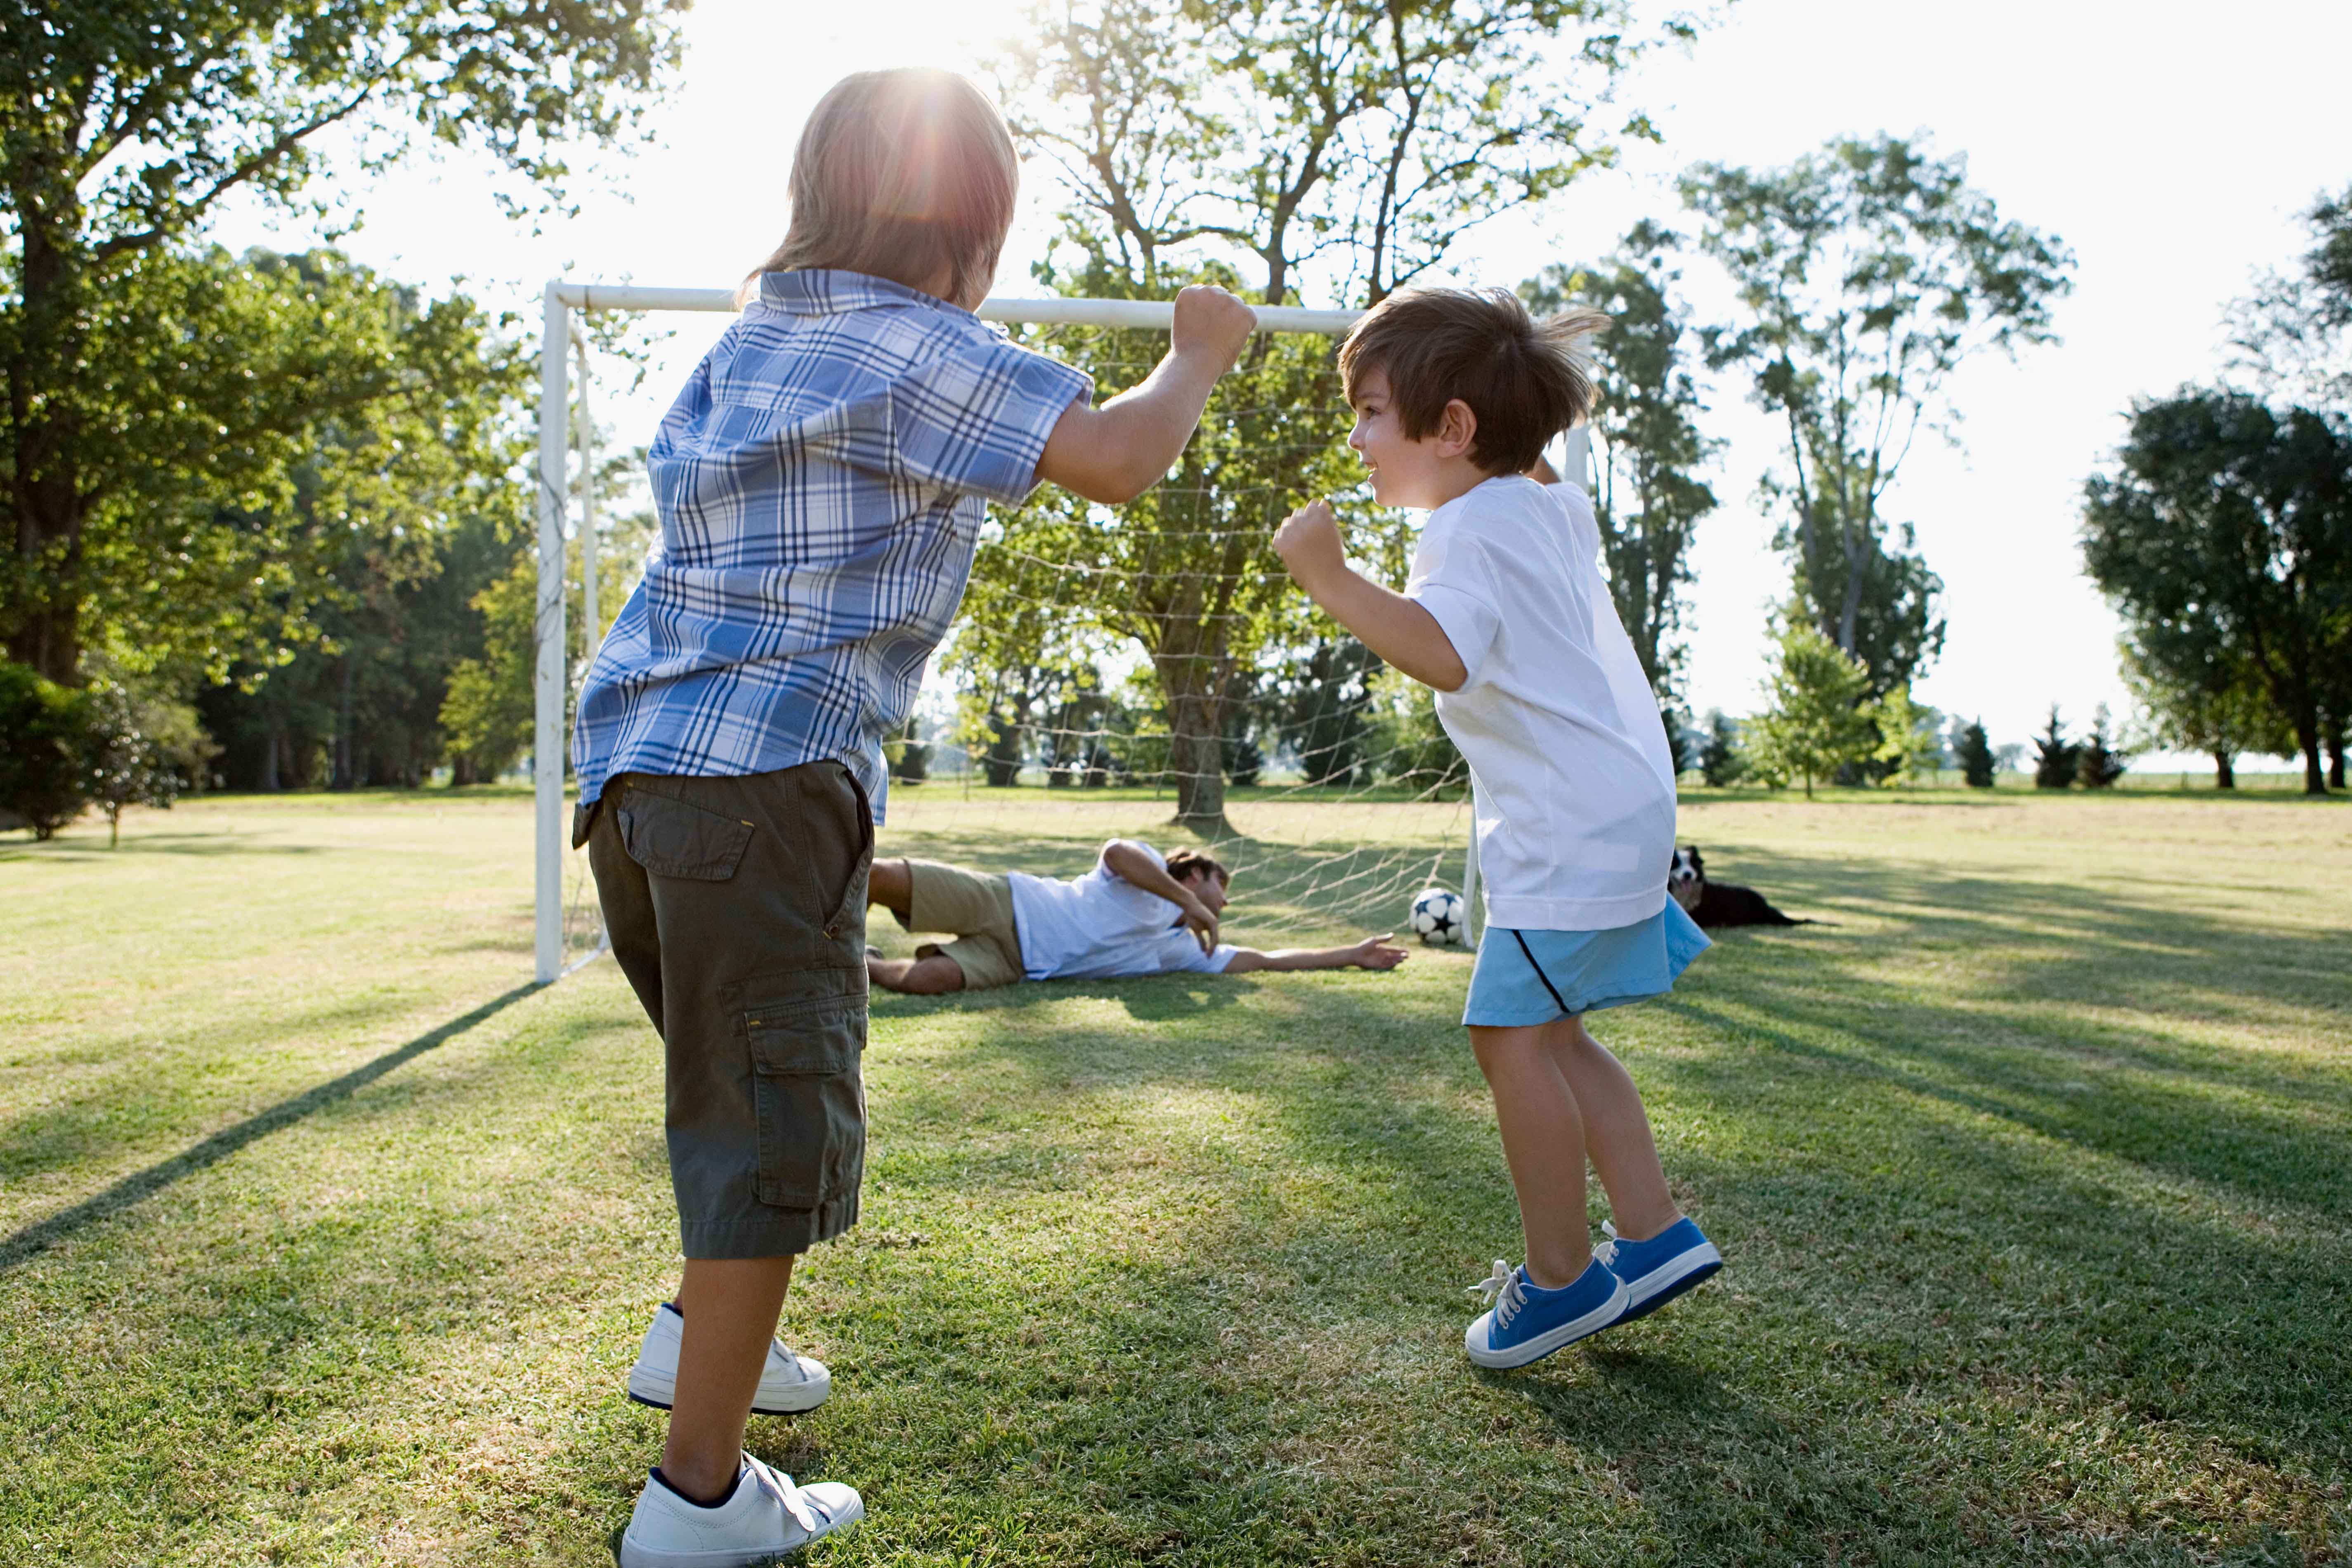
(2030, 1169)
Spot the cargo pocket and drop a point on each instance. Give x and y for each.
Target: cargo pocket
(811, 1098)
(671, 838)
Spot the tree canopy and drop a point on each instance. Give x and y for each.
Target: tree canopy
(1869, 271)
(161, 395)
(2224, 538)
(1272, 145)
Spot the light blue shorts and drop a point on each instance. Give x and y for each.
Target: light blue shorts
(1534, 976)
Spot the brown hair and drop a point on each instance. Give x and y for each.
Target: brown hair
(1186, 864)
(1525, 380)
(905, 175)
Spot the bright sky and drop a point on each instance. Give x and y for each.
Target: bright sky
(2171, 146)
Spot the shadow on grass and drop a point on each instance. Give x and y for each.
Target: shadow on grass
(137, 1187)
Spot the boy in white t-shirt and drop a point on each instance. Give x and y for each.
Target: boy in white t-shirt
(1507, 615)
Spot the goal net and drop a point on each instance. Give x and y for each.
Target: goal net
(1137, 671)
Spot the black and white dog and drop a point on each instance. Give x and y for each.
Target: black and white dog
(1714, 904)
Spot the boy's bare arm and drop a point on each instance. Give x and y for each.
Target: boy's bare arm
(1118, 451)
(1130, 863)
(1372, 952)
(1387, 623)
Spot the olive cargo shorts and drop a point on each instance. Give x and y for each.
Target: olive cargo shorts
(737, 909)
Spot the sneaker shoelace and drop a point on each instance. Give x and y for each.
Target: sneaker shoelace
(1504, 1290)
(1607, 1250)
(781, 1488)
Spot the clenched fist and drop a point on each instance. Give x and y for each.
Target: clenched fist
(1309, 544)
(1212, 323)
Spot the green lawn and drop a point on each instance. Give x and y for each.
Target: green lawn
(324, 1238)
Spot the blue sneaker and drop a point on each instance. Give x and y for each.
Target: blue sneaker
(1528, 1322)
(1658, 1270)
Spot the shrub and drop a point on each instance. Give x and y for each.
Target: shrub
(44, 740)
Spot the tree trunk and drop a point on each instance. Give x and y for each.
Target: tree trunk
(2336, 762)
(2306, 735)
(273, 739)
(45, 490)
(2225, 774)
(1196, 753)
(346, 775)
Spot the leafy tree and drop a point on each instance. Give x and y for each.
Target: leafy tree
(1910, 738)
(2228, 523)
(2057, 759)
(2100, 761)
(1818, 715)
(125, 765)
(1279, 144)
(161, 395)
(1646, 443)
(1974, 751)
(1870, 272)
(42, 730)
(1720, 763)
(2201, 697)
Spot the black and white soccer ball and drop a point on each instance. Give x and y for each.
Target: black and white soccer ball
(1438, 917)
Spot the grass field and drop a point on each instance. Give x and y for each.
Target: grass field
(326, 1239)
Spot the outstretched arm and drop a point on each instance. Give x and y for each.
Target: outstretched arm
(1372, 952)
(1113, 454)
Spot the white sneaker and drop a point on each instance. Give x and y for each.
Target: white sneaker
(764, 1515)
(788, 1384)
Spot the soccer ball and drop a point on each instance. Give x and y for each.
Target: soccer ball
(1438, 917)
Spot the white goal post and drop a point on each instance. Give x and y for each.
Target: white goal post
(557, 425)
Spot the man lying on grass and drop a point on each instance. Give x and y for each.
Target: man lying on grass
(1137, 912)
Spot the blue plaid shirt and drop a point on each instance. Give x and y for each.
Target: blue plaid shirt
(820, 484)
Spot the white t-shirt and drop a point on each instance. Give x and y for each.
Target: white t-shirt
(1576, 786)
(1101, 926)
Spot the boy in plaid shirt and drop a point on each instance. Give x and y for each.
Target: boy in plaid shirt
(820, 484)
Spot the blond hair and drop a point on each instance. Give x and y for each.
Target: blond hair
(1525, 380)
(906, 174)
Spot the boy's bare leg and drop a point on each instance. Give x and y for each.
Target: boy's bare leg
(1543, 1139)
(731, 1306)
(930, 976)
(890, 884)
(1616, 1131)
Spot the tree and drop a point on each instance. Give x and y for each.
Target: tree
(2057, 759)
(124, 765)
(2201, 697)
(1276, 145)
(2100, 761)
(2228, 525)
(1720, 763)
(1910, 738)
(1646, 443)
(152, 399)
(1870, 272)
(1974, 751)
(1818, 715)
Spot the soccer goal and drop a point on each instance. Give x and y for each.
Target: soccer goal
(1102, 652)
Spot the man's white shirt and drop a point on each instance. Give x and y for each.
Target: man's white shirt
(1101, 926)
(1574, 778)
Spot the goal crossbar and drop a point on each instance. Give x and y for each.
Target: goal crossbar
(550, 675)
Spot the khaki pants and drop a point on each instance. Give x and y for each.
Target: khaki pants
(977, 907)
(737, 909)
